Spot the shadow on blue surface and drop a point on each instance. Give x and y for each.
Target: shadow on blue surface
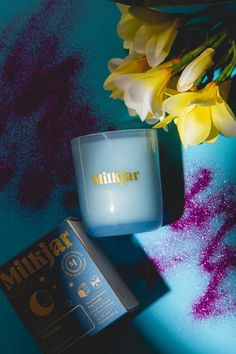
(135, 268)
(171, 175)
(148, 286)
(120, 338)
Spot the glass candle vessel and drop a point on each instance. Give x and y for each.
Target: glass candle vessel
(118, 180)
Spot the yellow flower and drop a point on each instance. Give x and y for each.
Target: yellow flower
(144, 92)
(195, 69)
(127, 27)
(148, 32)
(155, 41)
(123, 66)
(200, 116)
(123, 8)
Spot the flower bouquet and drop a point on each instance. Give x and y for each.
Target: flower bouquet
(179, 68)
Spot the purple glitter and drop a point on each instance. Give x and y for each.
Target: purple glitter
(226, 260)
(40, 107)
(195, 214)
(70, 199)
(6, 172)
(207, 220)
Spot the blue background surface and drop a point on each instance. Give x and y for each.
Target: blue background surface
(165, 323)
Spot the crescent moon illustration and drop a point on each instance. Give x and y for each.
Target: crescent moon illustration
(41, 303)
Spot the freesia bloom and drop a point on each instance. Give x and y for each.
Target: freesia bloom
(148, 32)
(155, 41)
(123, 8)
(144, 92)
(200, 116)
(119, 67)
(195, 69)
(156, 35)
(127, 28)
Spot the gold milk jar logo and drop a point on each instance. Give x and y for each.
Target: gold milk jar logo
(120, 178)
(44, 255)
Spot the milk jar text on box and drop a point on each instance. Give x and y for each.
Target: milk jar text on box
(64, 289)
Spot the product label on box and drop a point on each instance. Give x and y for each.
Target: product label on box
(59, 292)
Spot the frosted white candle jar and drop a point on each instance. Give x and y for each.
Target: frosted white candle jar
(118, 180)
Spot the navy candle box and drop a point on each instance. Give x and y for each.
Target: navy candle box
(64, 289)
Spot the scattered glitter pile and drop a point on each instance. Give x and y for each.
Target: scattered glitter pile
(41, 107)
(199, 237)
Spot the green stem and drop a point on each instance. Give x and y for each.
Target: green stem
(226, 57)
(199, 80)
(213, 42)
(219, 41)
(226, 73)
(230, 51)
(187, 59)
(216, 38)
